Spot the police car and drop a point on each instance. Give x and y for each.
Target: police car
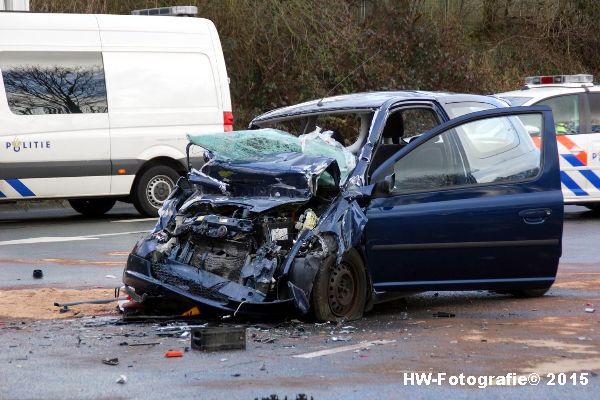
(575, 103)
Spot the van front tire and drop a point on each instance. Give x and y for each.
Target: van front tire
(152, 189)
(92, 207)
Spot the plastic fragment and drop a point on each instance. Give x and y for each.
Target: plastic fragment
(444, 314)
(172, 354)
(122, 379)
(111, 361)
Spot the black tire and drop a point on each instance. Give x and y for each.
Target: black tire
(92, 207)
(529, 293)
(340, 290)
(152, 188)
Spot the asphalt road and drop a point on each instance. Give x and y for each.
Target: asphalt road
(374, 358)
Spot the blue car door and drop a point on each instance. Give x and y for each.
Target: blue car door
(474, 204)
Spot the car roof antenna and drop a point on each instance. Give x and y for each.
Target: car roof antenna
(320, 102)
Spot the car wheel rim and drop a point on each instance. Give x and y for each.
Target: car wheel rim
(342, 290)
(158, 189)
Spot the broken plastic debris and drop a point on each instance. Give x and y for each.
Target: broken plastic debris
(191, 312)
(111, 361)
(110, 276)
(590, 310)
(172, 354)
(122, 379)
(444, 314)
(341, 338)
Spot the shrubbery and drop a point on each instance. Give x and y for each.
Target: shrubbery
(281, 52)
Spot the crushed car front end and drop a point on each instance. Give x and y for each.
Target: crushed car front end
(246, 234)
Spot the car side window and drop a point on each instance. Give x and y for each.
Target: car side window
(594, 99)
(417, 121)
(566, 113)
(497, 149)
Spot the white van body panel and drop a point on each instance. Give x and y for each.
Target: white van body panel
(164, 77)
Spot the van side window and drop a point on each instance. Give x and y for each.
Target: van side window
(54, 82)
(594, 99)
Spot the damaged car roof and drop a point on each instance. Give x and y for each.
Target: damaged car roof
(369, 100)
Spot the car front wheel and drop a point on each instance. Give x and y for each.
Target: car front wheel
(92, 207)
(340, 290)
(152, 189)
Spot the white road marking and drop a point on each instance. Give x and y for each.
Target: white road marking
(135, 220)
(53, 239)
(45, 239)
(340, 349)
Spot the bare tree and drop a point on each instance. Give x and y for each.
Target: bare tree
(59, 89)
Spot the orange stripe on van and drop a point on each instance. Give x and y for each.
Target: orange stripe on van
(569, 144)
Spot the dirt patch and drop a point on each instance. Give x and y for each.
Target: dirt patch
(578, 280)
(565, 365)
(39, 303)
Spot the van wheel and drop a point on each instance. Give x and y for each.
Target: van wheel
(92, 207)
(340, 290)
(152, 189)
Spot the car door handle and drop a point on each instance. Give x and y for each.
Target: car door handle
(535, 215)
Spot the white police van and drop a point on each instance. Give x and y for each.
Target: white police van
(575, 103)
(95, 108)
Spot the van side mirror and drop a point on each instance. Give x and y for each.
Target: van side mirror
(386, 186)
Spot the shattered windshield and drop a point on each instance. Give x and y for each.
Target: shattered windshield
(259, 144)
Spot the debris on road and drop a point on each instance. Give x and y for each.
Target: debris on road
(64, 307)
(111, 361)
(444, 314)
(122, 379)
(359, 346)
(590, 310)
(219, 338)
(38, 274)
(173, 354)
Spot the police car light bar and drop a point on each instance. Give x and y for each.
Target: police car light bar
(558, 79)
(175, 11)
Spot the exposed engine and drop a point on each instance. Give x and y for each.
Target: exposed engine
(238, 247)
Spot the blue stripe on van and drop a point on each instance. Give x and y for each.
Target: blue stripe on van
(574, 161)
(571, 184)
(592, 177)
(2, 195)
(20, 187)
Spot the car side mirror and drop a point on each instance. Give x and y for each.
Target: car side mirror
(386, 186)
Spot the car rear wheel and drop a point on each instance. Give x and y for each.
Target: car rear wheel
(152, 189)
(92, 207)
(529, 293)
(340, 290)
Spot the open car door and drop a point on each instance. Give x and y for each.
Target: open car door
(471, 204)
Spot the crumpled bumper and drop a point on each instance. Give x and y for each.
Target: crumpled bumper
(138, 275)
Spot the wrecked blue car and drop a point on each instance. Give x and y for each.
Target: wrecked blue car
(328, 207)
